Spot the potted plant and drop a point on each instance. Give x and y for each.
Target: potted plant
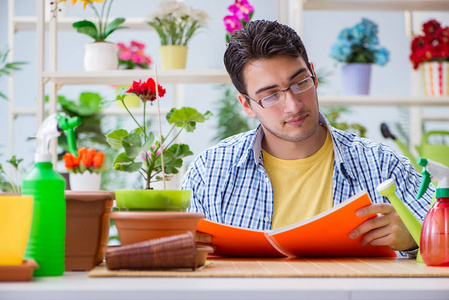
(155, 159)
(175, 23)
(358, 48)
(100, 55)
(129, 58)
(431, 52)
(85, 169)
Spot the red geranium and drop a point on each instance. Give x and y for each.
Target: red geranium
(146, 91)
(432, 46)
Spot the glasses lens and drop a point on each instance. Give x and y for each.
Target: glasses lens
(302, 86)
(273, 99)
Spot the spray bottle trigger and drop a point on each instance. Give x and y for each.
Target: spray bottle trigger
(68, 124)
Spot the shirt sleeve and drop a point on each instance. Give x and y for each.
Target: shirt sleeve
(194, 182)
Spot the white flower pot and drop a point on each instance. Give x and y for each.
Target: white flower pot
(435, 78)
(100, 56)
(85, 182)
(355, 79)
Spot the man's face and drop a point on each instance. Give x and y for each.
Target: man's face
(294, 119)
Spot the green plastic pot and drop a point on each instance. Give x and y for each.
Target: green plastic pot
(153, 200)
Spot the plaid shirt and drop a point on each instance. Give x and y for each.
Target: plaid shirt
(230, 185)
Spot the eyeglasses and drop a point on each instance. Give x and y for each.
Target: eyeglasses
(277, 97)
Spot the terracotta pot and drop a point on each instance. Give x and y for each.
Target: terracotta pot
(87, 228)
(138, 226)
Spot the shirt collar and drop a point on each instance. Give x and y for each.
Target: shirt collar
(255, 149)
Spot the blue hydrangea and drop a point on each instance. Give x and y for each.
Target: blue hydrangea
(359, 44)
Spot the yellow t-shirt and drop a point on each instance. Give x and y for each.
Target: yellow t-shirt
(302, 188)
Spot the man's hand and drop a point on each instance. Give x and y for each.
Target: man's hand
(204, 239)
(386, 229)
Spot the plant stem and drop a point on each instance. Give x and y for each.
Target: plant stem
(99, 18)
(124, 105)
(179, 132)
(107, 15)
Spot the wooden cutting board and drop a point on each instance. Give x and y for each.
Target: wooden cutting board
(297, 267)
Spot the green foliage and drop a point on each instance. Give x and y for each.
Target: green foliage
(7, 68)
(333, 116)
(7, 183)
(142, 152)
(231, 118)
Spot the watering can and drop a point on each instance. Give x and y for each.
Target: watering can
(435, 152)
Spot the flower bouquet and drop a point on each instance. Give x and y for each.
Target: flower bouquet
(85, 169)
(242, 12)
(175, 23)
(431, 51)
(358, 48)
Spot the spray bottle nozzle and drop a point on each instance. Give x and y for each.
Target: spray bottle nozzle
(426, 178)
(68, 124)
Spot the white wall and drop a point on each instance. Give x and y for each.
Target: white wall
(205, 51)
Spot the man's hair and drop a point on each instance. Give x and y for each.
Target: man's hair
(260, 39)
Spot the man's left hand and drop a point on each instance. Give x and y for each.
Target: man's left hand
(386, 229)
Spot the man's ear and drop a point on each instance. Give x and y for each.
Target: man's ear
(246, 106)
(314, 74)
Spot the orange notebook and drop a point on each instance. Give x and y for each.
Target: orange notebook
(324, 235)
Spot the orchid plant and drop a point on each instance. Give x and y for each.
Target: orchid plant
(133, 57)
(175, 22)
(359, 44)
(102, 29)
(242, 12)
(142, 151)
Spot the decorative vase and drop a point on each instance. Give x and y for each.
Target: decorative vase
(355, 79)
(435, 78)
(85, 182)
(173, 56)
(87, 228)
(154, 200)
(16, 213)
(100, 56)
(131, 100)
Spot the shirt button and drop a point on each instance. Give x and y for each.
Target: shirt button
(266, 179)
(266, 219)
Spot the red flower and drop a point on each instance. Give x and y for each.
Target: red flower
(98, 159)
(71, 161)
(432, 46)
(146, 91)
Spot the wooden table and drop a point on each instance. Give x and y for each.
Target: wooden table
(78, 285)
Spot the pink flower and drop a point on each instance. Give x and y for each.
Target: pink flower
(138, 45)
(232, 24)
(136, 58)
(125, 55)
(241, 9)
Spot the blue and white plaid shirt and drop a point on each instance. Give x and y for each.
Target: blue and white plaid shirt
(230, 184)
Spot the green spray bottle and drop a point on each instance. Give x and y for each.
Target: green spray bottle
(46, 243)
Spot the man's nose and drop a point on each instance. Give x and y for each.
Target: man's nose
(292, 102)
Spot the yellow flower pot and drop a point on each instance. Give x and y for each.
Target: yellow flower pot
(173, 57)
(130, 100)
(16, 212)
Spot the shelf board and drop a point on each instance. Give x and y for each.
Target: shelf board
(382, 101)
(377, 5)
(121, 77)
(65, 23)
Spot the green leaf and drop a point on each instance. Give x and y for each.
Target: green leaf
(106, 103)
(113, 26)
(149, 142)
(133, 145)
(125, 164)
(88, 28)
(115, 138)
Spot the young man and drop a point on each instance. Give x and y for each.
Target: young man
(294, 165)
